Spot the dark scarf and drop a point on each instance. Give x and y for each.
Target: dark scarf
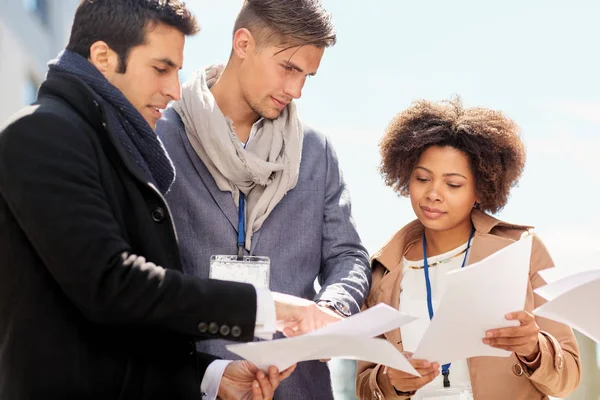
(132, 130)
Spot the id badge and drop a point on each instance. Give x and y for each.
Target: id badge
(250, 269)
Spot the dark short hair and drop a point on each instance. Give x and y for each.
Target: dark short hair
(287, 22)
(489, 139)
(123, 24)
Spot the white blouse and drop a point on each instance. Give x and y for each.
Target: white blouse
(413, 301)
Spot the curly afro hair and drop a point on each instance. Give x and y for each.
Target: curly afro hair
(490, 140)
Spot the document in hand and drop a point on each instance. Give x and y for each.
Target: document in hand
(477, 298)
(351, 338)
(572, 300)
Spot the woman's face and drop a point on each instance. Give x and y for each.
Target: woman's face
(442, 188)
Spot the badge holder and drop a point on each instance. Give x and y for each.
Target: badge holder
(247, 269)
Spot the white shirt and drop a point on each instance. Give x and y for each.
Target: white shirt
(413, 301)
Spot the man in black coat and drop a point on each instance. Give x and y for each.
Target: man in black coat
(93, 301)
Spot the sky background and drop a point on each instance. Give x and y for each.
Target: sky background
(537, 61)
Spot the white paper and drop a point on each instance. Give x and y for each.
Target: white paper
(350, 338)
(372, 322)
(477, 298)
(575, 264)
(565, 284)
(283, 353)
(573, 301)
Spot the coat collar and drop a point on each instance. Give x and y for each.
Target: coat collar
(89, 105)
(78, 94)
(390, 255)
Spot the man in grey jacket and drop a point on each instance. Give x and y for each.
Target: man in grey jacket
(253, 181)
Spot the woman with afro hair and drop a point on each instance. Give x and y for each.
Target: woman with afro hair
(457, 165)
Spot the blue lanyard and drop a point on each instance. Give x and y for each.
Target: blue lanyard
(241, 239)
(445, 367)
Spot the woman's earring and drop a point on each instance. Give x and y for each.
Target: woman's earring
(476, 205)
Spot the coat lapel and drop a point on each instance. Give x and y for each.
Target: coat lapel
(394, 336)
(484, 245)
(224, 200)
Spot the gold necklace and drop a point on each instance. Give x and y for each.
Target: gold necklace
(440, 262)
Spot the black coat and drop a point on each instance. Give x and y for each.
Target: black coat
(75, 323)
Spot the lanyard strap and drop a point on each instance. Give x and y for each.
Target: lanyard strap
(241, 239)
(445, 367)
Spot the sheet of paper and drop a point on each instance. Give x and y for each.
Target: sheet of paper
(285, 352)
(476, 299)
(570, 266)
(351, 338)
(565, 284)
(372, 322)
(571, 302)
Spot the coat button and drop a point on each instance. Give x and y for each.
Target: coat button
(158, 214)
(225, 330)
(236, 331)
(213, 328)
(518, 369)
(202, 327)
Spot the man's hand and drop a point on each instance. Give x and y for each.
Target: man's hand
(296, 316)
(324, 360)
(405, 382)
(243, 380)
(522, 340)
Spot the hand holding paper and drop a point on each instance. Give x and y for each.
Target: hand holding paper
(243, 380)
(297, 316)
(349, 338)
(522, 340)
(407, 382)
(477, 299)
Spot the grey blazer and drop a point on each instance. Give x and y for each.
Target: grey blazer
(310, 234)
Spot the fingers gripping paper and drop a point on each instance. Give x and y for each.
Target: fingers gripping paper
(351, 338)
(477, 298)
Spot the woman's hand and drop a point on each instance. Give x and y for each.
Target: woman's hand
(405, 382)
(523, 340)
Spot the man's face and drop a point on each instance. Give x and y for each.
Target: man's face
(151, 80)
(271, 78)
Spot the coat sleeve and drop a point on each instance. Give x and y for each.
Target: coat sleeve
(345, 274)
(559, 369)
(371, 382)
(50, 177)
